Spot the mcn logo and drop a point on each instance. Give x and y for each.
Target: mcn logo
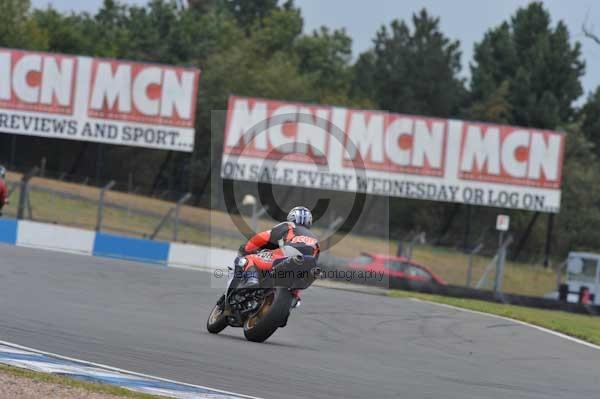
(37, 82)
(511, 155)
(261, 128)
(143, 93)
(377, 140)
(396, 143)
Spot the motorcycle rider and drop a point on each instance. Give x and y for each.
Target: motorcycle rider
(262, 250)
(3, 188)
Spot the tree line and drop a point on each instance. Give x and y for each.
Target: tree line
(526, 71)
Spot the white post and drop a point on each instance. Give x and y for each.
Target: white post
(250, 200)
(502, 225)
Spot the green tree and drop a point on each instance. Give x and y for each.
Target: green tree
(277, 32)
(65, 33)
(111, 30)
(590, 114)
(362, 80)
(495, 107)
(579, 218)
(202, 5)
(247, 13)
(536, 64)
(412, 71)
(17, 28)
(326, 55)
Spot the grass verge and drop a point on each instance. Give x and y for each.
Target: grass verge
(72, 383)
(579, 326)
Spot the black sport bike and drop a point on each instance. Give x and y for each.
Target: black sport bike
(261, 311)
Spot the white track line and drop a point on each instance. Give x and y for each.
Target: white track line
(109, 368)
(543, 329)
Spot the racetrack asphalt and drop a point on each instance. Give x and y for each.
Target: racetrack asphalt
(339, 344)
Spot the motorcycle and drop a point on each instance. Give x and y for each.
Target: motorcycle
(261, 311)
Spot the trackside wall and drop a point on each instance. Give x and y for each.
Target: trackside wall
(67, 239)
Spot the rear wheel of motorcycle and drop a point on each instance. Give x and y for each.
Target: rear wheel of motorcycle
(216, 320)
(272, 314)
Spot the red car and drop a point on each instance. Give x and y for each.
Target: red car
(397, 272)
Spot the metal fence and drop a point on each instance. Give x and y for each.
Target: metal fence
(77, 204)
(100, 209)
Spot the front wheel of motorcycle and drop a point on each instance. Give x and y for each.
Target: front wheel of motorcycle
(272, 314)
(216, 320)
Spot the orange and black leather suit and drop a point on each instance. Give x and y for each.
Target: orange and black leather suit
(299, 237)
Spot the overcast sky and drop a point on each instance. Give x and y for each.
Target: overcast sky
(465, 20)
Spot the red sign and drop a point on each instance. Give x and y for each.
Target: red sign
(302, 132)
(38, 82)
(511, 155)
(400, 155)
(145, 93)
(99, 100)
(274, 129)
(396, 143)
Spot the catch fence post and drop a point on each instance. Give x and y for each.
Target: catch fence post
(110, 185)
(29, 207)
(330, 231)
(161, 224)
(501, 261)
(178, 206)
(419, 238)
(472, 254)
(129, 191)
(43, 167)
(559, 272)
(548, 246)
(25, 192)
(467, 231)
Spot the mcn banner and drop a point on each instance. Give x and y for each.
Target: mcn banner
(389, 154)
(99, 100)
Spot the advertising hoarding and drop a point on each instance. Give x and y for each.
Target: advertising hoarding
(418, 157)
(99, 100)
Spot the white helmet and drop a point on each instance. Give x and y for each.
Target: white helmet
(2, 172)
(300, 215)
